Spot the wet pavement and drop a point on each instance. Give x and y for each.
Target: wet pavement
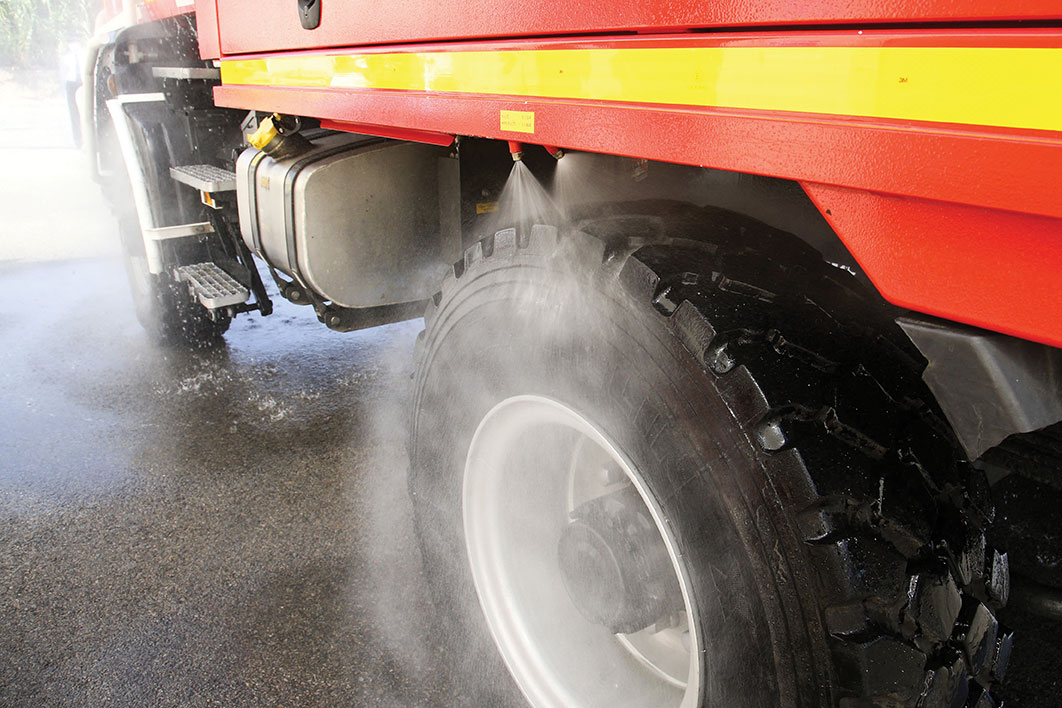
(227, 527)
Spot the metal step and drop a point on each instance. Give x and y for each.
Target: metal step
(187, 72)
(205, 178)
(213, 286)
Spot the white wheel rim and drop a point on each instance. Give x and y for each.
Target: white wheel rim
(514, 512)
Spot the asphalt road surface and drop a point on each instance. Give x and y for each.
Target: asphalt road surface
(227, 527)
(218, 528)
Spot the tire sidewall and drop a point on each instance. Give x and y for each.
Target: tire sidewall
(530, 324)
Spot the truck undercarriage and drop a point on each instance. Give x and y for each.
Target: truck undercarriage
(715, 417)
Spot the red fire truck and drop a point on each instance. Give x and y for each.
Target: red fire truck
(711, 419)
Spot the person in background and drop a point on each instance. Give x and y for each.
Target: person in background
(70, 75)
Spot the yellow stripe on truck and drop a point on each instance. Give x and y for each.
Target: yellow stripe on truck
(993, 86)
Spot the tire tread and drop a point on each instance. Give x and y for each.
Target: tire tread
(814, 368)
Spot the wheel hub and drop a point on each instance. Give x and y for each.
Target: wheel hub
(615, 565)
(569, 553)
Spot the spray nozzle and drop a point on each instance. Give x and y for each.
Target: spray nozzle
(516, 150)
(555, 152)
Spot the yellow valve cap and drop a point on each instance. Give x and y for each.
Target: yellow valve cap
(266, 132)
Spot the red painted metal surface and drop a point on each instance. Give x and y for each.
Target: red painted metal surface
(273, 25)
(109, 9)
(150, 10)
(206, 14)
(387, 131)
(129, 12)
(994, 269)
(915, 37)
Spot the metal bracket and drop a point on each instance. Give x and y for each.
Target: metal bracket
(163, 233)
(141, 199)
(343, 319)
(187, 73)
(310, 13)
(989, 385)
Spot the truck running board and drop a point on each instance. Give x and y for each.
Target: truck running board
(205, 178)
(213, 286)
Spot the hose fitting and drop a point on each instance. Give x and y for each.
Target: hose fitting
(278, 137)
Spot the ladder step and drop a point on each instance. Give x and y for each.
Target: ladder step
(205, 178)
(213, 286)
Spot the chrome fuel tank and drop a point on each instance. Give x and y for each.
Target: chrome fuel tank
(356, 219)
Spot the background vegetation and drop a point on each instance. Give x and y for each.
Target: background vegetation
(32, 31)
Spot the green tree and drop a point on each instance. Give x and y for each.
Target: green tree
(31, 31)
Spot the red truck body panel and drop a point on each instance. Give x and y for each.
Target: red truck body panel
(206, 12)
(950, 214)
(149, 10)
(990, 268)
(273, 25)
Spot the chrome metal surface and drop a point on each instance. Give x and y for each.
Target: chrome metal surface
(531, 462)
(186, 72)
(141, 198)
(205, 178)
(213, 286)
(355, 219)
(163, 233)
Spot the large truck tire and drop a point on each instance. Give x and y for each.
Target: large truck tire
(165, 308)
(652, 465)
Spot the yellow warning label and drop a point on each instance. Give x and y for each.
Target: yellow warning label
(518, 121)
(486, 207)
